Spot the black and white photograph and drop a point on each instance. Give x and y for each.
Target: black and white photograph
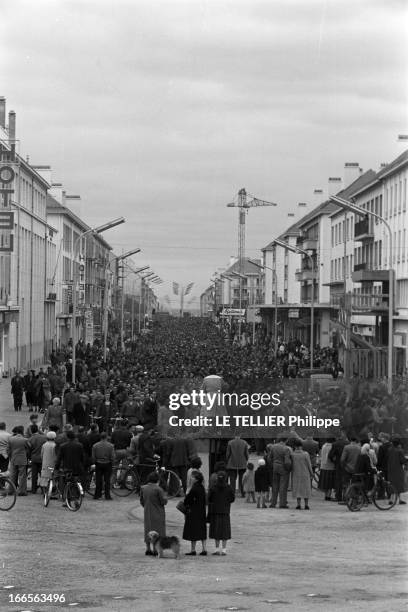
(203, 305)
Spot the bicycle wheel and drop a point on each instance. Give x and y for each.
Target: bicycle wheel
(170, 483)
(48, 493)
(124, 481)
(354, 498)
(384, 495)
(90, 483)
(73, 496)
(8, 494)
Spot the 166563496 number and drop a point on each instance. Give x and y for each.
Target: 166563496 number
(37, 598)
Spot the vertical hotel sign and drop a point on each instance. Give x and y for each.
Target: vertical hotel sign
(7, 175)
(81, 283)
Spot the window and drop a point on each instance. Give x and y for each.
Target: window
(332, 269)
(66, 269)
(332, 236)
(404, 244)
(67, 238)
(399, 196)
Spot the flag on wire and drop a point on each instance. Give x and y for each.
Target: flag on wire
(175, 288)
(188, 288)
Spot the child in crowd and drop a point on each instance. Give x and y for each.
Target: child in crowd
(248, 482)
(261, 483)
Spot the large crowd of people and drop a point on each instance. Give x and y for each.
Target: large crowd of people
(114, 408)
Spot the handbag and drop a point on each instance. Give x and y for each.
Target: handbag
(181, 507)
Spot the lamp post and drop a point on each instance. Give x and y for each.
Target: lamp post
(121, 258)
(347, 205)
(298, 250)
(275, 282)
(92, 230)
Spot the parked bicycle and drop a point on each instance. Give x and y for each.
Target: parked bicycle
(51, 489)
(73, 492)
(129, 479)
(8, 492)
(384, 495)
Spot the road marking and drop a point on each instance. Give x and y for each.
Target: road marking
(9, 586)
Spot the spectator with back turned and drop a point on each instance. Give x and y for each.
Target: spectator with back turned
(103, 456)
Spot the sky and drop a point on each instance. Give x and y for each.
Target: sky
(161, 111)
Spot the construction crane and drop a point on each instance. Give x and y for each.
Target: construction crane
(243, 206)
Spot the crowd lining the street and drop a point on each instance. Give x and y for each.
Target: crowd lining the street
(113, 414)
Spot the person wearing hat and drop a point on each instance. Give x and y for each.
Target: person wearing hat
(48, 458)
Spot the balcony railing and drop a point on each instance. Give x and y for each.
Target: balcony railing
(360, 301)
(363, 230)
(305, 274)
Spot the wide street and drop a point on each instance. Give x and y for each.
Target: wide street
(325, 559)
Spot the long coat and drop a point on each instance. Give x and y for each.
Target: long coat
(395, 473)
(237, 454)
(219, 506)
(49, 457)
(153, 501)
(301, 474)
(195, 527)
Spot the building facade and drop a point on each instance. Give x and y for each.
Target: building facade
(27, 259)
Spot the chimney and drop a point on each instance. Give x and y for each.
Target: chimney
(351, 172)
(318, 196)
(12, 125)
(73, 202)
(2, 112)
(335, 185)
(56, 192)
(44, 172)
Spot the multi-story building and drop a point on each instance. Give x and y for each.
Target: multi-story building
(360, 257)
(91, 257)
(27, 258)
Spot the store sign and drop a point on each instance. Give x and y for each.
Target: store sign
(233, 312)
(7, 175)
(81, 283)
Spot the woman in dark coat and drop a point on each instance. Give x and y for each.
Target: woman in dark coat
(220, 498)
(195, 526)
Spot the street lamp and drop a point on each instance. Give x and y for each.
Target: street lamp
(263, 267)
(91, 230)
(121, 258)
(347, 205)
(298, 250)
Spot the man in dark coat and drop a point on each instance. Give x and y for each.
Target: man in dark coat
(71, 456)
(335, 454)
(36, 441)
(180, 457)
(17, 390)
